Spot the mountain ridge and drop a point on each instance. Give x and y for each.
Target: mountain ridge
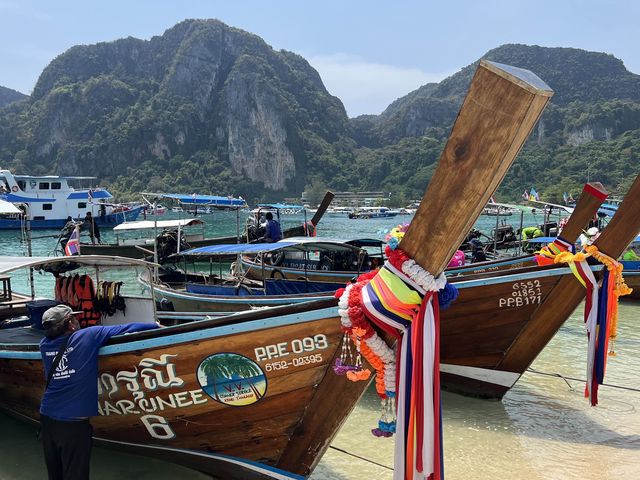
(211, 108)
(8, 95)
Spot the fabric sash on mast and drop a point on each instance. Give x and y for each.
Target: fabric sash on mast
(403, 299)
(601, 303)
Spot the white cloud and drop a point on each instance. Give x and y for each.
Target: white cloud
(367, 87)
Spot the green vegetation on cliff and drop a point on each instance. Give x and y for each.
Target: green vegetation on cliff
(213, 109)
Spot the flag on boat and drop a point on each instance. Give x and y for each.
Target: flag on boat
(525, 195)
(533, 195)
(565, 197)
(73, 245)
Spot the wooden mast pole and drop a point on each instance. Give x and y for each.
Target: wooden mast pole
(593, 194)
(326, 201)
(568, 292)
(499, 112)
(501, 108)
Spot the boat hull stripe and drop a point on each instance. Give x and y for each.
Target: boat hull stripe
(212, 332)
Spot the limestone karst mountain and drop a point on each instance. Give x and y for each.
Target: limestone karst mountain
(207, 107)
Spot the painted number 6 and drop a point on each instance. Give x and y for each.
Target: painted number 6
(159, 429)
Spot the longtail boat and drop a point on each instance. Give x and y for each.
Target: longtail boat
(496, 300)
(503, 319)
(294, 284)
(207, 292)
(141, 249)
(253, 395)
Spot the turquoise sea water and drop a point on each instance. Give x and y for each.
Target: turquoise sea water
(542, 429)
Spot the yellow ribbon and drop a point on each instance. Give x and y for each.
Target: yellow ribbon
(620, 289)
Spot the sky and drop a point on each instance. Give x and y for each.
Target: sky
(368, 53)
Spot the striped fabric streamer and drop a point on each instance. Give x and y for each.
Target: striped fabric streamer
(547, 255)
(601, 305)
(406, 306)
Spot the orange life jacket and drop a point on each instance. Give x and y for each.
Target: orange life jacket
(58, 289)
(85, 294)
(70, 297)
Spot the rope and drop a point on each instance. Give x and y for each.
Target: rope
(361, 458)
(611, 385)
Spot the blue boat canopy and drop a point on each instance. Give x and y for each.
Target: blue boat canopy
(208, 200)
(354, 242)
(294, 243)
(236, 248)
(280, 206)
(544, 240)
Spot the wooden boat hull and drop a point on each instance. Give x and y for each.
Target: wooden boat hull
(127, 251)
(189, 302)
(476, 330)
(631, 275)
(482, 324)
(256, 271)
(157, 396)
(130, 251)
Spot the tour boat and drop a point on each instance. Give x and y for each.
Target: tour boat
(48, 200)
(339, 211)
(321, 259)
(300, 280)
(136, 239)
(373, 212)
(143, 248)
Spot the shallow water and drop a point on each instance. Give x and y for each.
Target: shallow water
(543, 429)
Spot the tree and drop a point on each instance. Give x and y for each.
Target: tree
(315, 191)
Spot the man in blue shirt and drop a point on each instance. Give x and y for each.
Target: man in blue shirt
(72, 395)
(273, 232)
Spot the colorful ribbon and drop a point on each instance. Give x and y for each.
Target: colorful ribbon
(601, 305)
(402, 300)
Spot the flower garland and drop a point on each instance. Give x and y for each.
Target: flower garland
(399, 299)
(397, 233)
(368, 344)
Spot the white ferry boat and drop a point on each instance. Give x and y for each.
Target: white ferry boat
(373, 212)
(48, 200)
(339, 211)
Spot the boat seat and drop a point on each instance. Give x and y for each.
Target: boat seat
(22, 335)
(293, 287)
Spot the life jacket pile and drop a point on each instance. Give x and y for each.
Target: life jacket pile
(77, 292)
(108, 298)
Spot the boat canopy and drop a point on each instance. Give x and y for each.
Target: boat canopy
(504, 205)
(547, 240)
(547, 205)
(355, 242)
(9, 264)
(149, 224)
(207, 200)
(236, 248)
(544, 240)
(8, 208)
(293, 243)
(280, 206)
(52, 177)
